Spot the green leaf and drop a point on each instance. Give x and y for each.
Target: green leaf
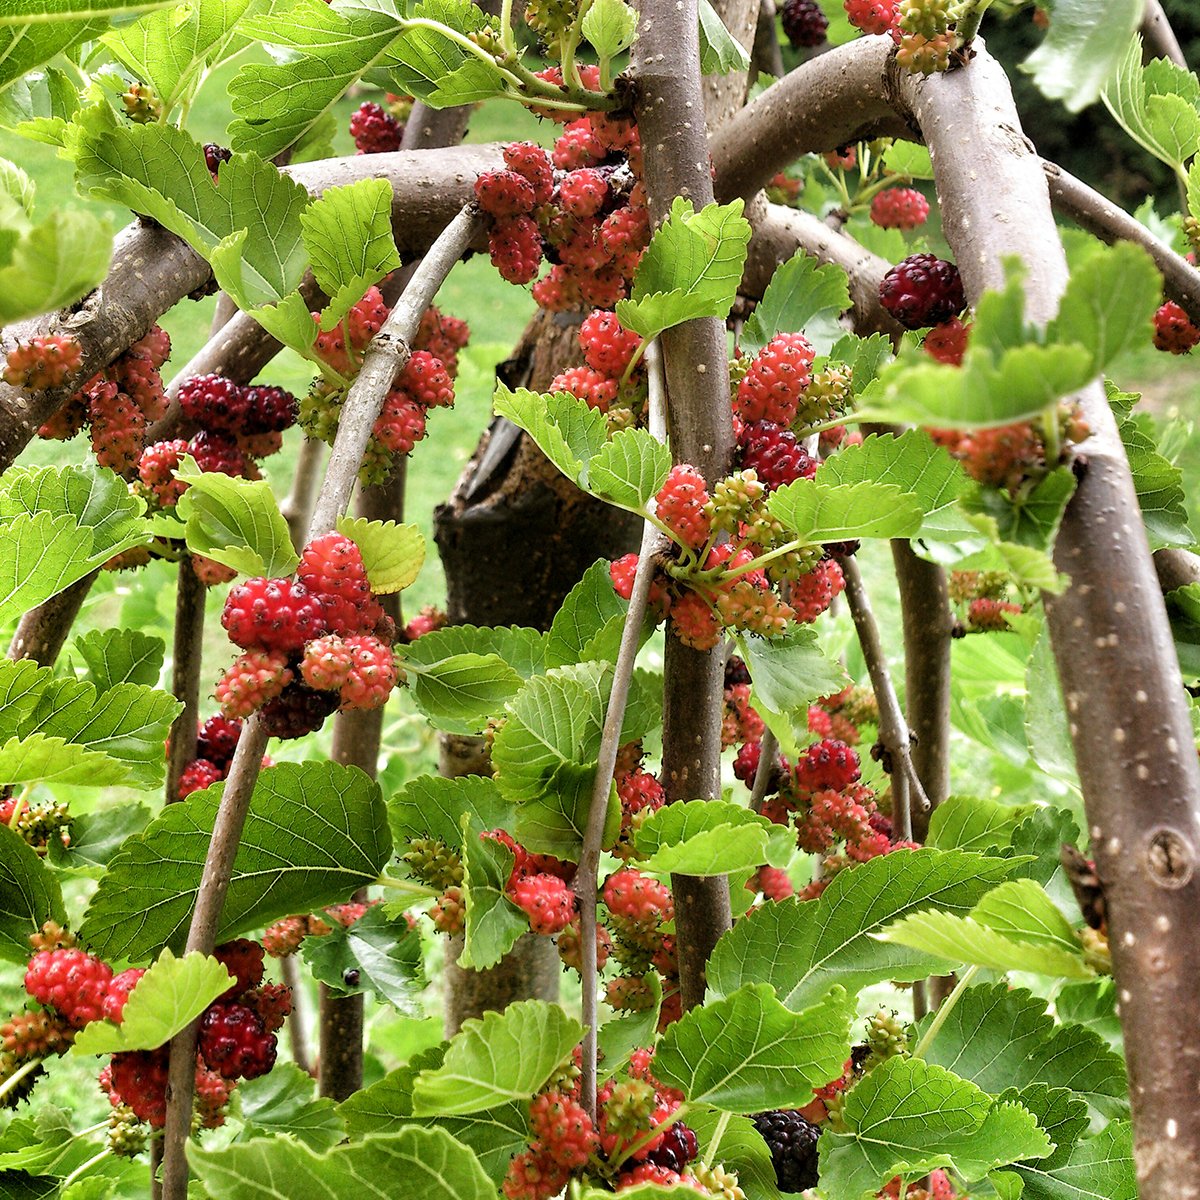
(629, 469)
(558, 718)
(1000, 1037)
(523, 649)
(1033, 520)
(54, 263)
(815, 511)
(1082, 48)
(620, 1036)
(432, 806)
(999, 933)
(747, 1051)
(1157, 104)
(460, 692)
(589, 623)
(237, 522)
(40, 759)
(909, 159)
(567, 431)
(66, 10)
(915, 464)
(720, 52)
(1158, 483)
(708, 837)
(691, 268)
(348, 236)
(392, 554)
(29, 896)
(1098, 1168)
(438, 69)
(284, 1102)
(170, 50)
(804, 949)
(790, 672)
(22, 684)
(97, 836)
(974, 823)
(385, 953)
(168, 998)
(496, 1134)
(555, 821)
(412, 1162)
(493, 923)
(1109, 302)
(121, 656)
(907, 1117)
(39, 106)
(501, 1057)
(803, 295)
(277, 103)
(247, 225)
(315, 832)
(27, 42)
(610, 26)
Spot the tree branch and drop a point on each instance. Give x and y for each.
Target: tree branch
(386, 354)
(1159, 36)
(1133, 743)
(666, 70)
(907, 794)
(766, 58)
(187, 657)
(42, 631)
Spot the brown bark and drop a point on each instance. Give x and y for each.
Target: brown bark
(42, 631)
(185, 673)
(1127, 709)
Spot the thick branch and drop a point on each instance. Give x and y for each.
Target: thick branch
(386, 354)
(766, 58)
(1158, 35)
(1090, 210)
(187, 658)
(1133, 742)
(829, 101)
(1176, 568)
(42, 631)
(670, 117)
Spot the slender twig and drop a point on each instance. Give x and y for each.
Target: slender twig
(387, 353)
(586, 880)
(944, 1010)
(1159, 36)
(768, 749)
(907, 792)
(297, 1023)
(185, 672)
(766, 58)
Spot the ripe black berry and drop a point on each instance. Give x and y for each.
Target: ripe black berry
(297, 710)
(792, 1140)
(804, 24)
(923, 290)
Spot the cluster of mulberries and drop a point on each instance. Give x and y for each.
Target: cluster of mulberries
(313, 643)
(983, 600)
(216, 740)
(116, 405)
(73, 988)
(379, 130)
(427, 381)
(42, 362)
(582, 208)
(284, 937)
(617, 1147)
(38, 823)
(611, 379)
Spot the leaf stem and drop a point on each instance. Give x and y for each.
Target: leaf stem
(646, 1138)
(407, 886)
(84, 1166)
(947, 1007)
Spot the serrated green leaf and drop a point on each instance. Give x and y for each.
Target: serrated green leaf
(432, 806)
(459, 693)
(502, 1057)
(523, 649)
(1082, 48)
(815, 511)
(121, 656)
(1001, 1037)
(348, 236)
(1159, 486)
(413, 1162)
(803, 295)
(236, 522)
(170, 49)
(385, 954)
(554, 822)
(54, 263)
(493, 922)
(315, 832)
(908, 1117)
(1097, 1168)
(610, 26)
(590, 621)
(691, 268)
(733, 1142)
(16, 185)
(720, 51)
(284, 1102)
(747, 1051)
(788, 673)
(96, 836)
(37, 11)
(629, 469)
(436, 68)
(171, 994)
(974, 823)
(39, 105)
(27, 44)
(706, 837)
(22, 684)
(804, 949)
(277, 103)
(994, 935)
(567, 431)
(1156, 103)
(37, 758)
(392, 554)
(29, 895)
(909, 159)
(1033, 520)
